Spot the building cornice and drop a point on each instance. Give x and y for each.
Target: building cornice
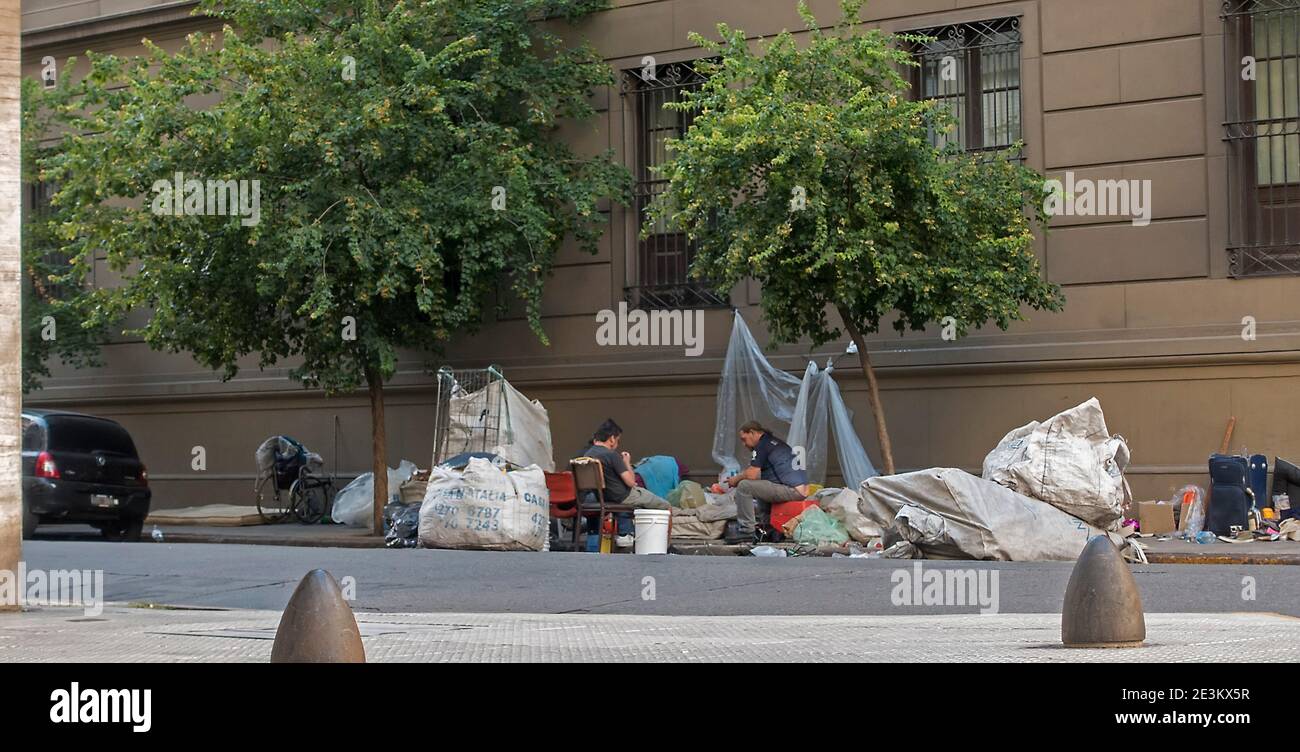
(100, 27)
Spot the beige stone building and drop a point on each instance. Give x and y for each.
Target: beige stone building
(1176, 323)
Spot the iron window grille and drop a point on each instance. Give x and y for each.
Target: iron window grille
(659, 277)
(53, 261)
(1262, 131)
(972, 70)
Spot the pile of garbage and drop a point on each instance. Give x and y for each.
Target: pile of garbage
(1044, 491)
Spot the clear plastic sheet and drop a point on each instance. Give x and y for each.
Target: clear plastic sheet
(750, 389)
(802, 411)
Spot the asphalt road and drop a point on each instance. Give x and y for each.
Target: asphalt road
(423, 581)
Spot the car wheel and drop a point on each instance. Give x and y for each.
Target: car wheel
(126, 529)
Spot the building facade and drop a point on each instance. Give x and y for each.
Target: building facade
(1179, 314)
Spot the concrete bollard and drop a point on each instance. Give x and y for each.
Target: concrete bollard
(317, 625)
(1102, 608)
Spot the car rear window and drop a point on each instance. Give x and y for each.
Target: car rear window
(33, 435)
(87, 435)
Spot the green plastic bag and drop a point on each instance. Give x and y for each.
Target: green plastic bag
(687, 495)
(815, 527)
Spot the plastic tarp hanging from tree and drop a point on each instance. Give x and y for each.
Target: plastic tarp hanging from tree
(750, 389)
(802, 411)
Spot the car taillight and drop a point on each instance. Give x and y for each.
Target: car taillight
(45, 467)
(144, 475)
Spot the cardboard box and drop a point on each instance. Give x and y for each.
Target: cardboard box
(1155, 517)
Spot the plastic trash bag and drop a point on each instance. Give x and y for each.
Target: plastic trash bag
(717, 507)
(402, 525)
(842, 504)
(354, 505)
(816, 527)
(687, 495)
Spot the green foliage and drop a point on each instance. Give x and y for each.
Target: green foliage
(375, 192)
(890, 223)
(55, 295)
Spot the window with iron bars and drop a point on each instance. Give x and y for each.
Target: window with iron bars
(53, 262)
(658, 276)
(973, 71)
(1262, 131)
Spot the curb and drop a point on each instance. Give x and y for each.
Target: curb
(696, 548)
(1239, 559)
(362, 541)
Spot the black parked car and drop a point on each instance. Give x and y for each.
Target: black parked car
(79, 468)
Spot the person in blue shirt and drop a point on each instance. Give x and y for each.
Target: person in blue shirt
(775, 473)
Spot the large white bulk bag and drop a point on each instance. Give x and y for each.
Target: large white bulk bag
(947, 513)
(485, 508)
(1069, 461)
(526, 430)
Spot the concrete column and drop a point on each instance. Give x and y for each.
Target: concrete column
(11, 490)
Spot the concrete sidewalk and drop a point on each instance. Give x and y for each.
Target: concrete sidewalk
(123, 634)
(341, 536)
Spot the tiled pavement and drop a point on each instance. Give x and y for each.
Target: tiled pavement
(127, 634)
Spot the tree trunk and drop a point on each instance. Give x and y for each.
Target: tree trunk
(873, 396)
(379, 446)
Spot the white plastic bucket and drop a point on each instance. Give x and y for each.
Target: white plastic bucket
(651, 530)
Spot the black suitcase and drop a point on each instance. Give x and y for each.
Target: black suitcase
(1230, 493)
(1286, 480)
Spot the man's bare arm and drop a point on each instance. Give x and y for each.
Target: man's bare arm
(749, 473)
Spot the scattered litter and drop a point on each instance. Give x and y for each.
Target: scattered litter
(771, 552)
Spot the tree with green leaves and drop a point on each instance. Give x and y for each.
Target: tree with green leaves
(810, 168)
(394, 165)
(55, 294)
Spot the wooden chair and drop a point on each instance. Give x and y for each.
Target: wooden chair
(564, 501)
(589, 475)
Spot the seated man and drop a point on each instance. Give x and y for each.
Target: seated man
(620, 481)
(772, 476)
